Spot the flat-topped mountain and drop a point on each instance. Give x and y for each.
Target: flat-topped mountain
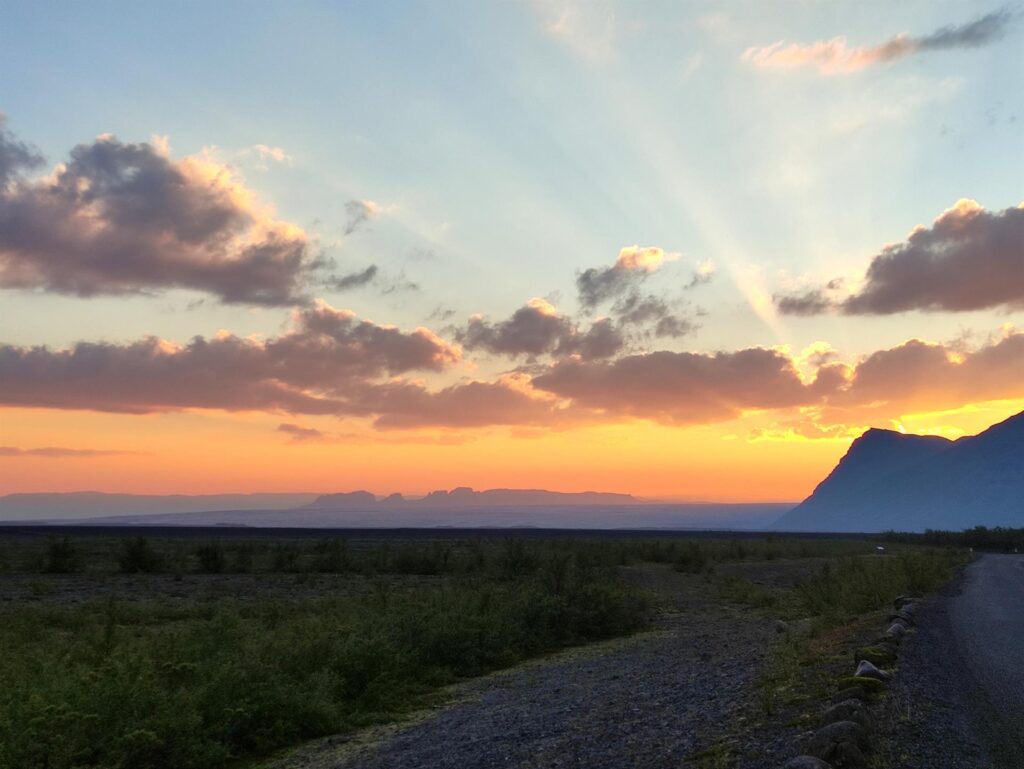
(890, 480)
(463, 496)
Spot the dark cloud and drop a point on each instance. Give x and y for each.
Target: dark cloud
(812, 302)
(317, 367)
(299, 433)
(597, 285)
(834, 56)
(359, 212)
(441, 313)
(680, 387)
(974, 34)
(354, 279)
(969, 259)
(924, 376)
(59, 452)
(538, 329)
(122, 218)
(674, 327)
(602, 340)
(653, 314)
(15, 156)
(471, 404)
(534, 329)
(399, 283)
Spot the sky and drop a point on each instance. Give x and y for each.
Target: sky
(681, 250)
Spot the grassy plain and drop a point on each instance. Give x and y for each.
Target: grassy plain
(203, 649)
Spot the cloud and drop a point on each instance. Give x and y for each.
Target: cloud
(681, 387)
(587, 28)
(538, 329)
(354, 279)
(299, 434)
(702, 273)
(969, 259)
(599, 284)
(835, 56)
(811, 302)
(359, 212)
(122, 218)
(59, 452)
(15, 156)
(266, 153)
(925, 376)
(322, 365)
(652, 312)
(506, 401)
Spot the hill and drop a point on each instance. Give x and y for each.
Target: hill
(89, 504)
(888, 480)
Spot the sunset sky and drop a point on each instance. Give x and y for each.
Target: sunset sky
(682, 250)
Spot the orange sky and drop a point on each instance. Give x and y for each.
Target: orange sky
(208, 452)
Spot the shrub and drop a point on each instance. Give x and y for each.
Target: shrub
(137, 555)
(211, 558)
(62, 557)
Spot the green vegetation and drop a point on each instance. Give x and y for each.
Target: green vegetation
(197, 683)
(840, 600)
(997, 540)
(199, 653)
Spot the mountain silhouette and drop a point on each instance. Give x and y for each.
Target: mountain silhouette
(890, 480)
(465, 497)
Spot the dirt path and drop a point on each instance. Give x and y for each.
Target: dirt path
(654, 700)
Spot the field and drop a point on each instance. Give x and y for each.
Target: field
(214, 648)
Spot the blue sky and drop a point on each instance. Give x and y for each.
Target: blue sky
(507, 147)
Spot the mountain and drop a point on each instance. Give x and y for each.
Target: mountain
(89, 504)
(465, 497)
(460, 508)
(889, 480)
(653, 516)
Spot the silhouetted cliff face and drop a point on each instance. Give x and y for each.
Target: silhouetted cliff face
(888, 480)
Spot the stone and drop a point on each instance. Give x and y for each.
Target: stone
(839, 743)
(901, 616)
(902, 601)
(896, 630)
(806, 762)
(856, 693)
(876, 655)
(867, 670)
(869, 685)
(850, 710)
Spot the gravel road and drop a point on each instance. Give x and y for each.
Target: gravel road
(654, 700)
(958, 702)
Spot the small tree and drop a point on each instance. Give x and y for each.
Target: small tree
(137, 555)
(62, 557)
(211, 558)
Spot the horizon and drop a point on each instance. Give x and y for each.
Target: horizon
(683, 253)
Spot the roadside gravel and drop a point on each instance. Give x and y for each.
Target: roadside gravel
(664, 698)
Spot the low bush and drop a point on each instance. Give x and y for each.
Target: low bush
(197, 686)
(138, 555)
